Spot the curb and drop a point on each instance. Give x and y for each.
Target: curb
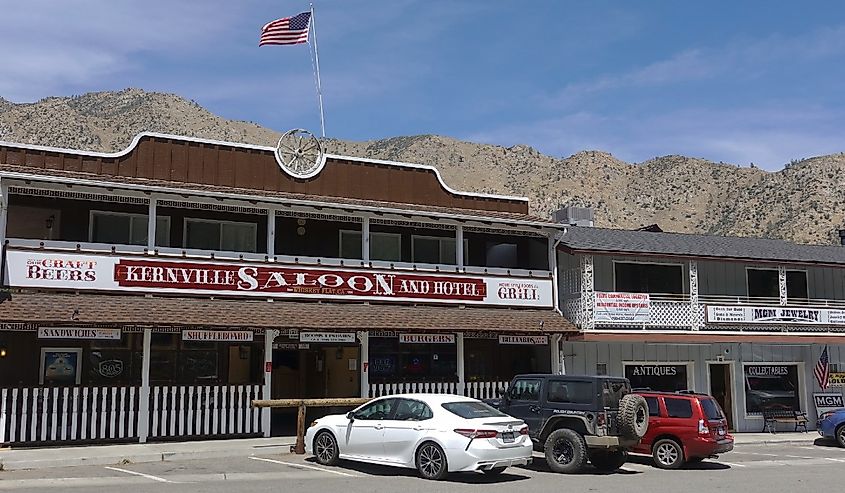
(9, 464)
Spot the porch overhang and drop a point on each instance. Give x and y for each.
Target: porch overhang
(66, 309)
(710, 337)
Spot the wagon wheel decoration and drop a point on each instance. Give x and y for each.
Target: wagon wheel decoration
(299, 153)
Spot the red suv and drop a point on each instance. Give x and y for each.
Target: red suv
(683, 427)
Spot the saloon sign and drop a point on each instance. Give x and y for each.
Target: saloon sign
(774, 315)
(101, 272)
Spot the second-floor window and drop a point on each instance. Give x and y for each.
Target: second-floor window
(120, 228)
(632, 277)
(434, 250)
(763, 283)
(383, 246)
(227, 236)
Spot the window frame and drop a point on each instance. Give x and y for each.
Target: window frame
(684, 285)
(439, 247)
(666, 399)
(220, 222)
(132, 216)
(539, 389)
(373, 234)
(803, 386)
(399, 401)
(775, 270)
(393, 407)
(689, 364)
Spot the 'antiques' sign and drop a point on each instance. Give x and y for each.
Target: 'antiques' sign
(774, 315)
(340, 337)
(622, 307)
(523, 340)
(427, 338)
(827, 402)
(78, 333)
(217, 335)
(111, 273)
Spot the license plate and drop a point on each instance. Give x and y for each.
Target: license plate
(508, 437)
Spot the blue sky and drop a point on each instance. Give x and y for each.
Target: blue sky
(740, 82)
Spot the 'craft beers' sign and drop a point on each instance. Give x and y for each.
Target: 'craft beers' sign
(101, 272)
(774, 315)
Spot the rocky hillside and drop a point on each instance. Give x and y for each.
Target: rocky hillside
(805, 202)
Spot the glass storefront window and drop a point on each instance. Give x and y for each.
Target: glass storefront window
(658, 377)
(771, 385)
(391, 361)
(487, 360)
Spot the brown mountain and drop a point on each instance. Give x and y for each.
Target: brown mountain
(804, 202)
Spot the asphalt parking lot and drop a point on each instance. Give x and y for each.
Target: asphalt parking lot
(764, 468)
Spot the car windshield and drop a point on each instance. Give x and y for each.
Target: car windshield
(471, 409)
(711, 409)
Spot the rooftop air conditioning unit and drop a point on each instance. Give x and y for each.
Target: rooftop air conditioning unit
(575, 216)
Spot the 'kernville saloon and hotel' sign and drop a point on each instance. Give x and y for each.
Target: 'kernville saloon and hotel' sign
(775, 315)
(141, 274)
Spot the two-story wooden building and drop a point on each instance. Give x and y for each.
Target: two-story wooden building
(151, 293)
(744, 319)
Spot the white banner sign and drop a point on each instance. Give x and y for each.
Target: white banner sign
(180, 276)
(341, 337)
(523, 340)
(622, 307)
(427, 338)
(77, 333)
(217, 335)
(827, 402)
(738, 314)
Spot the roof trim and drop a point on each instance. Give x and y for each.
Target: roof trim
(156, 135)
(274, 200)
(573, 251)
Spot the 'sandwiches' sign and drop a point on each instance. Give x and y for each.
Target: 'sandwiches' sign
(77, 333)
(101, 272)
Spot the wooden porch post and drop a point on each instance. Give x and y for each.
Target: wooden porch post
(364, 338)
(459, 341)
(266, 413)
(151, 225)
(271, 232)
(4, 210)
(144, 394)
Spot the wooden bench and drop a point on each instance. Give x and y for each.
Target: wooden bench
(774, 415)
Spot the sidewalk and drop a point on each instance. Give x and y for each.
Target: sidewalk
(780, 437)
(39, 458)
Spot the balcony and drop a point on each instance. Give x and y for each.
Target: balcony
(730, 313)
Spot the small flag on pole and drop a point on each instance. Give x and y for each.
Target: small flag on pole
(286, 31)
(823, 371)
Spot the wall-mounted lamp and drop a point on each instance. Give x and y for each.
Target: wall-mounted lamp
(75, 315)
(3, 351)
(300, 231)
(50, 220)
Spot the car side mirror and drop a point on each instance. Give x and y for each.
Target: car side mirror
(350, 415)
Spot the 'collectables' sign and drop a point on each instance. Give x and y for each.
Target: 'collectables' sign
(342, 337)
(78, 333)
(427, 338)
(739, 314)
(217, 335)
(622, 307)
(523, 339)
(102, 272)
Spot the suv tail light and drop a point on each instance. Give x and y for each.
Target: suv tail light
(478, 433)
(601, 424)
(702, 428)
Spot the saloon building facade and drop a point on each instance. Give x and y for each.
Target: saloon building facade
(151, 294)
(743, 319)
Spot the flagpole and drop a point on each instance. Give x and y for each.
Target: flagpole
(317, 61)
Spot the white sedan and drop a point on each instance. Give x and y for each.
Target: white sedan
(433, 433)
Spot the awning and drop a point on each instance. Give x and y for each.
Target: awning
(76, 309)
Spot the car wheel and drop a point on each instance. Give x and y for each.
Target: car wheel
(495, 471)
(668, 454)
(325, 449)
(431, 461)
(608, 460)
(840, 435)
(633, 414)
(566, 451)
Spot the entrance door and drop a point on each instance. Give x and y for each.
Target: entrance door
(721, 389)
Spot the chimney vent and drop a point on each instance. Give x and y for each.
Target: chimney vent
(574, 216)
(842, 236)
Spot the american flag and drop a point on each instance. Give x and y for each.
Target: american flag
(286, 31)
(823, 371)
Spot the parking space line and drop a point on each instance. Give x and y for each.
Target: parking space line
(304, 466)
(135, 473)
(834, 460)
(732, 464)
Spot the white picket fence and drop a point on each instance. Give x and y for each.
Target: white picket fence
(204, 411)
(44, 415)
(82, 414)
(476, 390)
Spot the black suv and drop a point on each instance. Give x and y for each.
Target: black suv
(575, 418)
